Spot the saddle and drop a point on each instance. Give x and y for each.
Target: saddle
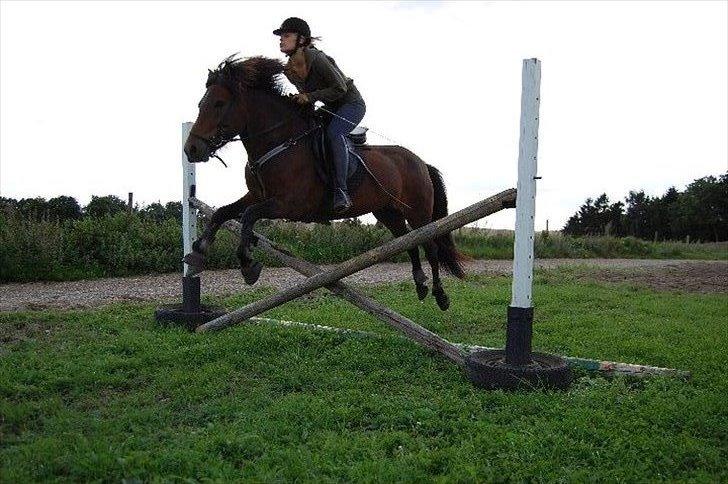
(324, 160)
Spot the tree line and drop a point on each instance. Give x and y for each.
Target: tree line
(64, 208)
(699, 213)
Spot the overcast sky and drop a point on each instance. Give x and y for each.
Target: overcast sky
(633, 94)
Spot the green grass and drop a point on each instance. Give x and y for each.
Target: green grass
(108, 395)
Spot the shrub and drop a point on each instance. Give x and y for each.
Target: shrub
(141, 243)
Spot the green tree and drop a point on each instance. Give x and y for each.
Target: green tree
(33, 208)
(154, 211)
(173, 210)
(701, 212)
(63, 208)
(704, 211)
(103, 206)
(596, 217)
(8, 205)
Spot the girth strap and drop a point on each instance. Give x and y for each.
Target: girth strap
(257, 164)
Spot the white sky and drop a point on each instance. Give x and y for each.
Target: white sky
(633, 94)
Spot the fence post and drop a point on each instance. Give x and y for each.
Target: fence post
(519, 329)
(190, 284)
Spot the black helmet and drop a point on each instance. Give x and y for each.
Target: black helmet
(295, 25)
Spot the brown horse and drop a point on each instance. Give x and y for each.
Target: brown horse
(245, 98)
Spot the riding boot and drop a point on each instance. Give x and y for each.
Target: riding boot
(342, 202)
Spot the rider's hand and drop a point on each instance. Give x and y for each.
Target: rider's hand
(301, 98)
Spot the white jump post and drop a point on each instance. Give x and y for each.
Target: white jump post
(520, 313)
(190, 284)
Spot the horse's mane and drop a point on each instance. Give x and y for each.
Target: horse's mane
(254, 72)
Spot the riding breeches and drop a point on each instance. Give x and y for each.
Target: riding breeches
(336, 133)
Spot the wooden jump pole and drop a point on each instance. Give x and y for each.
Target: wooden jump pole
(491, 205)
(410, 329)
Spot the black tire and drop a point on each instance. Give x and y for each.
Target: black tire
(173, 315)
(488, 369)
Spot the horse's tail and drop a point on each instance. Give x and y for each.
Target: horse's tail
(450, 257)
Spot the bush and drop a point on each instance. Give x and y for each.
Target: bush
(141, 243)
(126, 244)
(30, 249)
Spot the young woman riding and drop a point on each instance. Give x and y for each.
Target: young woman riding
(318, 78)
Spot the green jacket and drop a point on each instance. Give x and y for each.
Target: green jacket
(325, 82)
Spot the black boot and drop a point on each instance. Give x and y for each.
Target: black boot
(342, 202)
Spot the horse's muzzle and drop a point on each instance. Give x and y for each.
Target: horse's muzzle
(196, 150)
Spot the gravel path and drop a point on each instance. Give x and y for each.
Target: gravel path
(676, 275)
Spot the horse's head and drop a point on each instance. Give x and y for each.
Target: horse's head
(223, 109)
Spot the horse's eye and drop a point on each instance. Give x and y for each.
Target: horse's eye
(219, 104)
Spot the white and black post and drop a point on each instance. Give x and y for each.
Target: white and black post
(520, 313)
(191, 313)
(190, 284)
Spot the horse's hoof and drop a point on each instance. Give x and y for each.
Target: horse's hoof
(422, 290)
(443, 301)
(195, 261)
(419, 277)
(251, 273)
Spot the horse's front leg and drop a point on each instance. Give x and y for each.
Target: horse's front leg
(250, 268)
(201, 246)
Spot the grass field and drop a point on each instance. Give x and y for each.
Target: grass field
(107, 395)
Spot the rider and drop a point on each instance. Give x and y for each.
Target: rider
(318, 78)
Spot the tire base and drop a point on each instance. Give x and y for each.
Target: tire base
(174, 315)
(488, 369)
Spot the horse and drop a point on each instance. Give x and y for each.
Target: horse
(245, 98)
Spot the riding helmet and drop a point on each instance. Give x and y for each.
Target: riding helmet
(295, 25)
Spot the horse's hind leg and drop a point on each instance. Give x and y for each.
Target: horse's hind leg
(201, 246)
(248, 267)
(431, 251)
(395, 222)
(443, 301)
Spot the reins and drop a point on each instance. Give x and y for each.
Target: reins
(355, 125)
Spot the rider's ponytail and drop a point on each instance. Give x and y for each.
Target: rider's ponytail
(307, 41)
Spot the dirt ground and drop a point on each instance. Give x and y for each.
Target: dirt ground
(661, 275)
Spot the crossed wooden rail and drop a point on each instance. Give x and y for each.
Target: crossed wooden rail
(455, 352)
(318, 278)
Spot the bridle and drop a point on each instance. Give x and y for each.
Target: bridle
(218, 140)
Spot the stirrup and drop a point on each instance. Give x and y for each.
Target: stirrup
(342, 202)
